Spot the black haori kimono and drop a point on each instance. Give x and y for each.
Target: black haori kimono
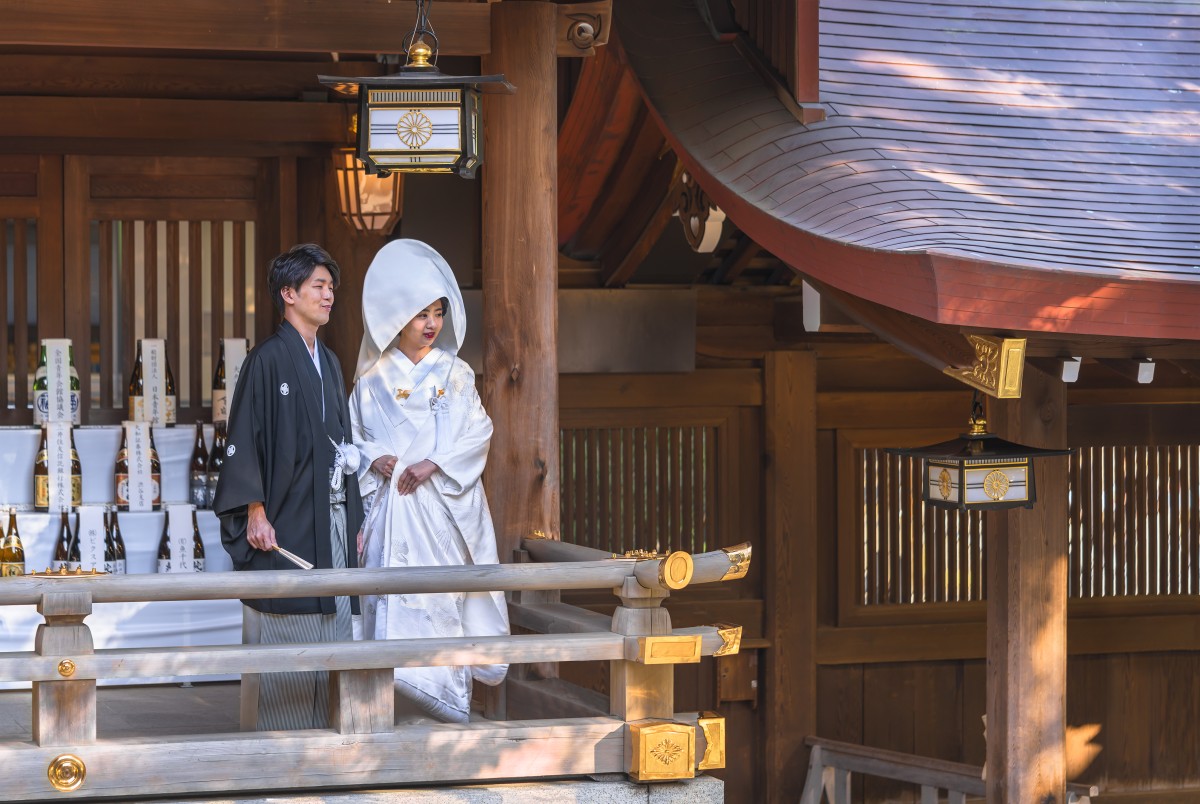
(283, 424)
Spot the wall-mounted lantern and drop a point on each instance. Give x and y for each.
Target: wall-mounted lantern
(369, 203)
(978, 471)
(419, 120)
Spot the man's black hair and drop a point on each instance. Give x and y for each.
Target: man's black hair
(293, 268)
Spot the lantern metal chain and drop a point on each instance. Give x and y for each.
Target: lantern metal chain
(422, 28)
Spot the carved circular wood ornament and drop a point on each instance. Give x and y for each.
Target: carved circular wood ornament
(702, 220)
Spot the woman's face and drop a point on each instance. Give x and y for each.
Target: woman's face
(420, 333)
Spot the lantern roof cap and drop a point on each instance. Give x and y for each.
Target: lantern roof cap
(977, 446)
(417, 78)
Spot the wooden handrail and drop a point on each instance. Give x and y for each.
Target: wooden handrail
(959, 779)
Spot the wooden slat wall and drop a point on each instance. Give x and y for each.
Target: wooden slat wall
(1145, 705)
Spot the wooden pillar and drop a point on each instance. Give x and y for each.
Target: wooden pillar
(1027, 610)
(790, 570)
(520, 279)
(64, 711)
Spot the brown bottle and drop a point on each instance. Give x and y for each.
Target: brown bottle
(164, 545)
(12, 552)
(216, 459)
(76, 475)
(137, 388)
(199, 470)
(121, 473)
(114, 531)
(220, 402)
(41, 477)
(197, 546)
(64, 547)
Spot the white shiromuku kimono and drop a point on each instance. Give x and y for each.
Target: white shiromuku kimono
(428, 410)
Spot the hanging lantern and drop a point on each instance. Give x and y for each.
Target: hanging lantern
(368, 202)
(978, 471)
(419, 120)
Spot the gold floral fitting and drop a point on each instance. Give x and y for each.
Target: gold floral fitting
(63, 572)
(640, 554)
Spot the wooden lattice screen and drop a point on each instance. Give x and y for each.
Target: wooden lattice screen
(1134, 529)
(650, 488)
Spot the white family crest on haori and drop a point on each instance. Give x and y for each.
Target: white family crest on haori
(284, 389)
(418, 411)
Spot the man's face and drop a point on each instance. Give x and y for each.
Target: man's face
(312, 302)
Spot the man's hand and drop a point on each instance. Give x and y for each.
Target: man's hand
(259, 532)
(384, 465)
(414, 476)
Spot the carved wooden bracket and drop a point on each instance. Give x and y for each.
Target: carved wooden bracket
(583, 27)
(998, 367)
(702, 220)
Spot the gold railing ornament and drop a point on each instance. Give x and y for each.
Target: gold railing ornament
(66, 668)
(538, 534)
(662, 750)
(63, 572)
(712, 726)
(675, 571)
(641, 555)
(739, 561)
(731, 639)
(66, 773)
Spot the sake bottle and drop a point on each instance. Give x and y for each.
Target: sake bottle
(76, 475)
(114, 530)
(12, 552)
(172, 402)
(62, 547)
(110, 548)
(164, 545)
(155, 474)
(199, 471)
(197, 546)
(137, 389)
(74, 559)
(41, 477)
(220, 402)
(41, 390)
(41, 387)
(216, 459)
(121, 472)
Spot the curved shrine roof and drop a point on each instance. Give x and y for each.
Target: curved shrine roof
(1020, 165)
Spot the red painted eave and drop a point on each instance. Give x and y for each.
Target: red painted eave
(1062, 271)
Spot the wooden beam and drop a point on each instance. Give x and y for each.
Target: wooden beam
(1187, 366)
(155, 77)
(806, 80)
(790, 593)
(321, 26)
(520, 259)
(161, 119)
(1027, 610)
(642, 225)
(934, 344)
(736, 260)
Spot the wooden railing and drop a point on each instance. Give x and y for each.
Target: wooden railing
(830, 764)
(641, 736)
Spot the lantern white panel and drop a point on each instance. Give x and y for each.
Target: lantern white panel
(943, 487)
(990, 484)
(399, 128)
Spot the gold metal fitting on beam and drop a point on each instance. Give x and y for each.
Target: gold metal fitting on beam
(739, 561)
(731, 639)
(662, 750)
(66, 668)
(66, 773)
(712, 726)
(675, 571)
(675, 649)
(998, 368)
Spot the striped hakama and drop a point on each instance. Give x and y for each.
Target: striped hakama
(296, 700)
